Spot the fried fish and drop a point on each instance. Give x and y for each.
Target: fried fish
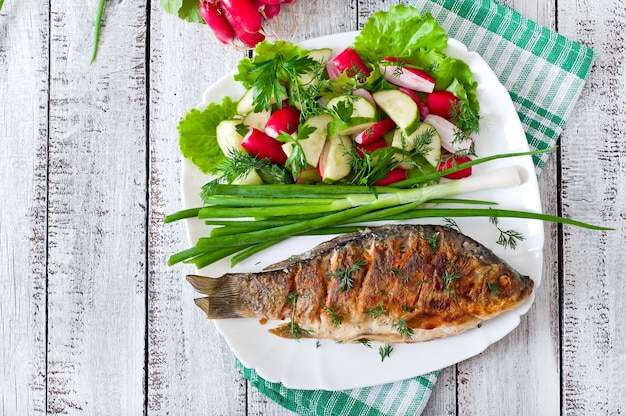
(394, 283)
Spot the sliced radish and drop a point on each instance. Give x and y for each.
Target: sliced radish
(394, 175)
(333, 71)
(421, 106)
(443, 104)
(284, 119)
(263, 146)
(369, 147)
(453, 161)
(350, 62)
(449, 134)
(375, 132)
(403, 76)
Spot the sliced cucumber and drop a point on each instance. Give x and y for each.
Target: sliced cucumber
(320, 55)
(257, 120)
(407, 142)
(252, 178)
(400, 107)
(334, 161)
(361, 107)
(245, 103)
(228, 138)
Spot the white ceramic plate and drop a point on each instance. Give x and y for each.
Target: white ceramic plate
(333, 366)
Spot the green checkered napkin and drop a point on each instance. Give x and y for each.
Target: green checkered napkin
(544, 73)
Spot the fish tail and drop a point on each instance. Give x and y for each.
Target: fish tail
(222, 296)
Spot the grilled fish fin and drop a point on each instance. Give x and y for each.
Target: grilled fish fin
(222, 298)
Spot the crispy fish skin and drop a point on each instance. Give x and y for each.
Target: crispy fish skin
(408, 283)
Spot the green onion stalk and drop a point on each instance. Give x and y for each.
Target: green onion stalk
(248, 219)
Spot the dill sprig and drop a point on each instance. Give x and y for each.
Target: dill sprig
(335, 318)
(403, 329)
(377, 311)
(507, 238)
(385, 351)
(238, 165)
(294, 329)
(449, 277)
(345, 275)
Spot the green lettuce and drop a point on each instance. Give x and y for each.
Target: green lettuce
(402, 32)
(197, 137)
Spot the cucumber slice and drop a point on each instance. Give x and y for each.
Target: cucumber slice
(433, 154)
(361, 107)
(228, 138)
(334, 161)
(245, 105)
(400, 107)
(313, 145)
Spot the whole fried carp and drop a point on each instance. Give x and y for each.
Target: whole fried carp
(394, 283)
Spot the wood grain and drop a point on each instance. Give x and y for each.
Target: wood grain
(96, 211)
(593, 189)
(23, 192)
(190, 368)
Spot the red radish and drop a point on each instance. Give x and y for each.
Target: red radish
(273, 1)
(452, 161)
(443, 104)
(248, 39)
(217, 22)
(284, 119)
(369, 147)
(421, 106)
(350, 62)
(394, 175)
(244, 13)
(270, 11)
(375, 132)
(404, 76)
(449, 134)
(262, 146)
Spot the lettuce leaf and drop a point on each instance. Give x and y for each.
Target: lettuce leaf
(403, 32)
(197, 137)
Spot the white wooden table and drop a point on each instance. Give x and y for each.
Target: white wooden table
(93, 322)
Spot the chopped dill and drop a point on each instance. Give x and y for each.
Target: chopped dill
(366, 342)
(385, 351)
(335, 318)
(403, 329)
(377, 311)
(432, 240)
(345, 275)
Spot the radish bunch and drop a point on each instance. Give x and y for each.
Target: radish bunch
(241, 20)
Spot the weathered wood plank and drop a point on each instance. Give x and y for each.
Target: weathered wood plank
(23, 134)
(190, 368)
(520, 374)
(97, 211)
(594, 189)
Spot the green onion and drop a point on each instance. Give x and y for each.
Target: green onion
(251, 218)
(96, 35)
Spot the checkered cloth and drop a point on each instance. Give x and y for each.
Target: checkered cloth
(544, 73)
